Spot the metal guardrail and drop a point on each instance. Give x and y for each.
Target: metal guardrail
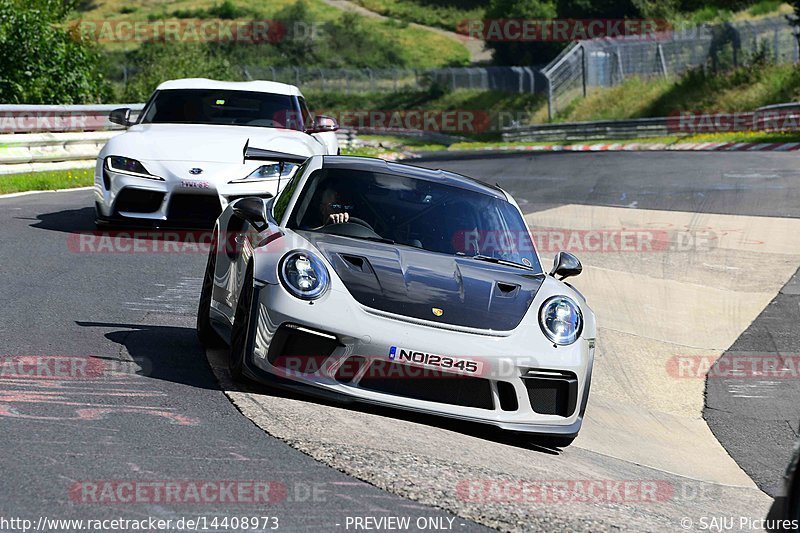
(53, 137)
(587, 131)
(776, 117)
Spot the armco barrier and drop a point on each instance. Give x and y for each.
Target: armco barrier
(587, 131)
(53, 137)
(762, 119)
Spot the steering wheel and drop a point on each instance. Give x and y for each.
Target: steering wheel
(354, 220)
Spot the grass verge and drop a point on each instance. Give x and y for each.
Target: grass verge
(48, 180)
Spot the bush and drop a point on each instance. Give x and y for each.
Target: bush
(156, 62)
(43, 61)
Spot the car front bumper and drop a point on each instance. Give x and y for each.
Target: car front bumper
(171, 199)
(339, 347)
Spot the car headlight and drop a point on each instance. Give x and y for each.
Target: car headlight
(270, 171)
(304, 275)
(561, 320)
(126, 165)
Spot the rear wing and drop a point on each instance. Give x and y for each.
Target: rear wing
(259, 154)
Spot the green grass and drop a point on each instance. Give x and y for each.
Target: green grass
(486, 105)
(743, 89)
(46, 181)
(764, 7)
(419, 47)
(446, 15)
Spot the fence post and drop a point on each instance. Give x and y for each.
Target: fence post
(660, 51)
(796, 48)
(777, 41)
(583, 68)
(619, 65)
(549, 96)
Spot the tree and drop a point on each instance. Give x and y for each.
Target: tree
(43, 61)
(519, 52)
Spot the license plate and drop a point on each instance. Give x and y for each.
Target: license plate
(189, 184)
(458, 365)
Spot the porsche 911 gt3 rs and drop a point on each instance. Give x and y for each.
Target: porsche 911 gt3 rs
(180, 162)
(400, 286)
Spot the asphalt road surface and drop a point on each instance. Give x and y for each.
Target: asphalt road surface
(756, 422)
(151, 410)
(147, 409)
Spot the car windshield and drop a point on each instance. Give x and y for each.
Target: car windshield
(224, 107)
(416, 212)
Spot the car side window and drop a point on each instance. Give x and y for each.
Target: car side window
(282, 201)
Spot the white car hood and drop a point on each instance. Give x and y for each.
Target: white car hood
(207, 143)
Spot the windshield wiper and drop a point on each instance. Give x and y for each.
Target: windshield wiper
(375, 239)
(498, 261)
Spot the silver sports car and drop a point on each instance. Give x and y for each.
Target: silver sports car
(400, 286)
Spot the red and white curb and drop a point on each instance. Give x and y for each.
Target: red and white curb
(707, 147)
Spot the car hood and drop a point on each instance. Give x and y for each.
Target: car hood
(207, 143)
(415, 283)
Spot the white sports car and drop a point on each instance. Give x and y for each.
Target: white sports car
(402, 286)
(181, 162)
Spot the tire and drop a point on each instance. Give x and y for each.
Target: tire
(241, 328)
(205, 332)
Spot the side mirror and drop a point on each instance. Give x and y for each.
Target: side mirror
(565, 265)
(251, 209)
(323, 123)
(121, 116)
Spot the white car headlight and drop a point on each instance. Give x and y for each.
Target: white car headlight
(269, 171)
(304, 275)
(131, 167)
(561, 320)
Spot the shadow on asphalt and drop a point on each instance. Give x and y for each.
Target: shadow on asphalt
(174, 354)
(166, 353)
(68, 220)
(82, 221)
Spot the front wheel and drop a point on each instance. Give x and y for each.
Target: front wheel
(241, 328)
(205, 332)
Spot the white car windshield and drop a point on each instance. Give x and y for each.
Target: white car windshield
(226, 107)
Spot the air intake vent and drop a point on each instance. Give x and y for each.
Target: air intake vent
(552, 392)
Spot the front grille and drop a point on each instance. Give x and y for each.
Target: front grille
(552, 392)
(299, 349)
(432, 386)
(138, 200)
(194, 209)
